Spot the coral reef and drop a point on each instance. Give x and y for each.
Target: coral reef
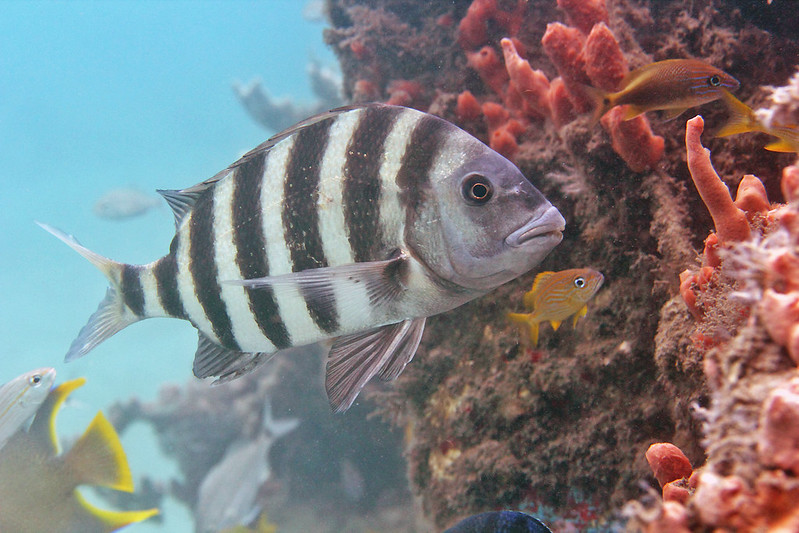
(565, 428)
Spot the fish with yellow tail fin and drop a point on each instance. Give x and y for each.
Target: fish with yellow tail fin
(743, 119)
(672, 86)
(556, 296)
(38, 484)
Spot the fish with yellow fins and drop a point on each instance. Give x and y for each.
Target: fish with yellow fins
(743, 119)
(555, 296)
(672, 85)
(38, 484)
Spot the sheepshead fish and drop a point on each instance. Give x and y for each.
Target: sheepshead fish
(354, 225)
(555, 296)
(20, 398)
(672, 85)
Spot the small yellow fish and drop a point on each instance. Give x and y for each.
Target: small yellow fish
(556, 296)
(743, 119)
(38, 485)
(672, 85)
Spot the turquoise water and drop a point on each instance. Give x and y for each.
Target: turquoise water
(101, 95)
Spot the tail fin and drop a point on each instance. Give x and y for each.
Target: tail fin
(111, 315)
(742, 117)
(526, 319)
(601, 99)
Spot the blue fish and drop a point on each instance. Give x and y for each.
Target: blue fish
(500, 522)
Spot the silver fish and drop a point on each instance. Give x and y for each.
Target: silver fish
(119, 204)
(354, 225)
(21, 397)
(228, 493)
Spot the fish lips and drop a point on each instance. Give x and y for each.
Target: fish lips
(549, 225)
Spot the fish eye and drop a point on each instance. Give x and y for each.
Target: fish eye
(714, 81)
(579, 282)
(35, 379)
(477, 189)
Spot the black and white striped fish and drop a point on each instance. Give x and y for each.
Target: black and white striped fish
(354, 225)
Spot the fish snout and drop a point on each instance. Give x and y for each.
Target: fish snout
(549, 225)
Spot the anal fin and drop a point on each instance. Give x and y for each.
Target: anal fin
(355, 359)
(212, 359)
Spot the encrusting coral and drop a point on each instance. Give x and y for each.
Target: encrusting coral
(750, 481)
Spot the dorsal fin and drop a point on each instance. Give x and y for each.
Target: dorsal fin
(43, 426)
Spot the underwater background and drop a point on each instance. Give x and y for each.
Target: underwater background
(685, 347)
(97, 96)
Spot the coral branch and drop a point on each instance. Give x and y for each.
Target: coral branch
(731, 224)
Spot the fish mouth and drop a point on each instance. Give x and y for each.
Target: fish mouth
(550, 224)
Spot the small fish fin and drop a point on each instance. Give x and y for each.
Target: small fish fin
(540, 279)
(672, 113)
(42, 428)
(742, 118)
(602, 101)
(555, 324)
(354, 359)
(277, 428)
(780, 146)
(211, 359)
(582, 312)
(111, 315)
(382, 279)
(631, 111)
(533, 332)
(109, 520)
(97, 458)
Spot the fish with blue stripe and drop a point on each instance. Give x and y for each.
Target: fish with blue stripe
(672, 85)
(354, 225)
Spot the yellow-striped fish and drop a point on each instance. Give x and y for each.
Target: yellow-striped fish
(556, 296)
(38, 485)
(672, 85)
(743, 119)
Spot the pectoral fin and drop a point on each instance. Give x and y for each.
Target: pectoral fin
(671, 114)
(355, 359)
(582, 312)
(383, 281)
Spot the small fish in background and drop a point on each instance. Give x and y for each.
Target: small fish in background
(38, 485)
(500, 522)
(555, 296)
(672, 86)
(354, 225)
(228, 494)
(20, 398)
(743, 119)
(121, 204)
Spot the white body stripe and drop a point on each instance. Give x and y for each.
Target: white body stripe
(191, 305)
(245, 329)
(352, 300)
(152, 303)
(291, 305)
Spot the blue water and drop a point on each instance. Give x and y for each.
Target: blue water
(101, 95)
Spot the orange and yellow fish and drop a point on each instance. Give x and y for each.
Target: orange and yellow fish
(556, 296)
(672, 85)
(743, 119)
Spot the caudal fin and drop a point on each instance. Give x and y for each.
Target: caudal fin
(112, 315)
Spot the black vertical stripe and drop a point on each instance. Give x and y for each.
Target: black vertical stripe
(301, 220)
(362, 181)
(132, 291)
(204, 272)
(413, 177)
(250, 244)
(166, 278)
